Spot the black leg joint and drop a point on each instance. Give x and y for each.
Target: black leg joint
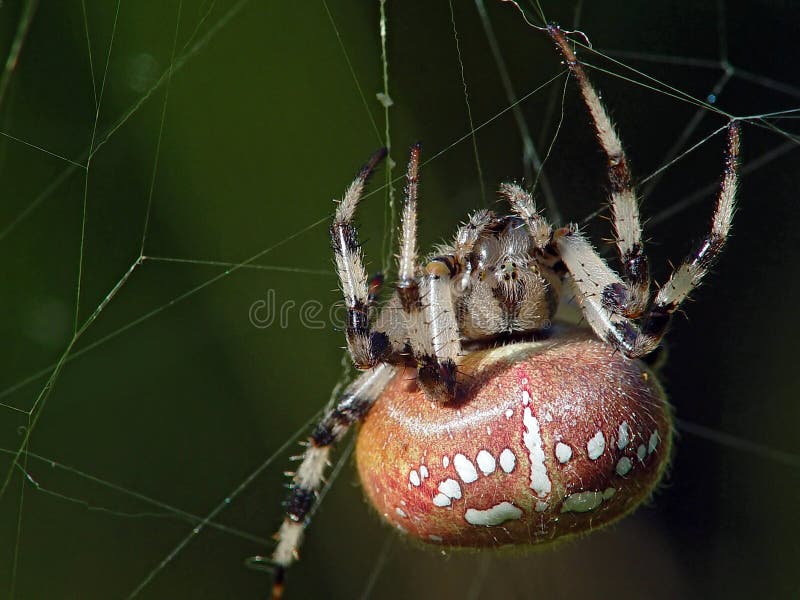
(657, 320)
(635, 265)
(379, 346)
(357, 320)
(438, 378)
(615, 297)
(323, 434)
(299, 503)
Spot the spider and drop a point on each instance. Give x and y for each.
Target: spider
(482, 423)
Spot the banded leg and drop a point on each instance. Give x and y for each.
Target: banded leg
(695, 266)
(353, 406)
(591, 276)
(438, 342)
(631, 297)
(466, 236)
(367, 347)
(435, 337)
(427, 302)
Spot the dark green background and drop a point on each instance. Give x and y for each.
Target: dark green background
(263, 127)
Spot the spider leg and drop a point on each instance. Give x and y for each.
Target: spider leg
(367, 346)
(695, 266)
(407, 284)
(592, 276)
(631, 296)
(352, 407)
(437, 343)
(426, 299)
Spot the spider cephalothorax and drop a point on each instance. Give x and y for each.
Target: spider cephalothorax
(484, 423)
(508, 284)
(494, 281)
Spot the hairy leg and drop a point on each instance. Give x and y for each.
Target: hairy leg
(592, 276)
(630, 296)
(695, 266)
(352, 407)
(367, 347)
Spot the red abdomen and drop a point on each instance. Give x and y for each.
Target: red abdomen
(546, 440)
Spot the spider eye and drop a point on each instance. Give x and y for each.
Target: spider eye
(462, 283)
(549, 439)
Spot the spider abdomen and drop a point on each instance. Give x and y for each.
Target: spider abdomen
(545, 440)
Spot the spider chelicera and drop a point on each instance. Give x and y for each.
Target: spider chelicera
(483, 424)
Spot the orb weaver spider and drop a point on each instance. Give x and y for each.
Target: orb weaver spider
(483, 424)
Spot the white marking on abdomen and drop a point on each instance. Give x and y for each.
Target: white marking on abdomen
(413, 477)
(563, 452)
(540, 482)
(497, 514)
(596, 445)
(486, 462)
(450, 488)
(465, 469)
(624, 466)
(582, 502)
(653, 442)
(507, 460)
(641, 452)
(441, 500)
(624, 435)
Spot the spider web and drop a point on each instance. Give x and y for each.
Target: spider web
(166, 168)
